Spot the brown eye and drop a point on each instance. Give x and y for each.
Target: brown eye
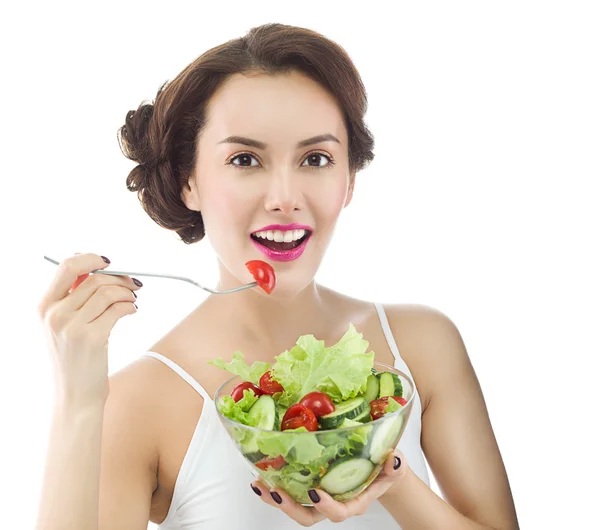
(314, 160)
(245, 160)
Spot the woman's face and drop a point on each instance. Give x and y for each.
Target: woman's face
(243, 189)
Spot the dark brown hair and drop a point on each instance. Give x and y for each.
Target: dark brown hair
(162, 136)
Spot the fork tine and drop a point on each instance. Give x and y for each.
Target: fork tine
(168, 276)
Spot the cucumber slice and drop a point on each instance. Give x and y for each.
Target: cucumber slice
(389, 385)
(347, 409)
(365, 416)
(346, 474)
(263, 415)
(372, 388)
(384, 437)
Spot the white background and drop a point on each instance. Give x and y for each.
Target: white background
(482, 202)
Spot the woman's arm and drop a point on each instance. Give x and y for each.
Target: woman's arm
(101, 461)
(69, 496)
(457, 437)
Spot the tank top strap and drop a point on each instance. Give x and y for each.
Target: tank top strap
(385, 325)
(181, 372)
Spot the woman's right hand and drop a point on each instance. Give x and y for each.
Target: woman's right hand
(79, 310)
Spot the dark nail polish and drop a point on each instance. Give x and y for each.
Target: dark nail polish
(276, 497)
(256, 490)
(134, 294)
(136, 306)
(106, 260)
(397, 463)
(137, 282)
(314, 496)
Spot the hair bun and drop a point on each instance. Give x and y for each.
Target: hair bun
(133, 137)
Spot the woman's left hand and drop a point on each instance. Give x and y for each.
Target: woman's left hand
(326, 507)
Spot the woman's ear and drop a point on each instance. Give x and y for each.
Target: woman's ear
(189, 194)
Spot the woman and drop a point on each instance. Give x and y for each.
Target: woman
(263, 130)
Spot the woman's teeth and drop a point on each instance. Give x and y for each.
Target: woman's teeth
(281, 237)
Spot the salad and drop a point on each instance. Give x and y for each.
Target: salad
(317, 417)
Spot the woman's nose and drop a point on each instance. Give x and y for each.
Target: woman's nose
(283, 195)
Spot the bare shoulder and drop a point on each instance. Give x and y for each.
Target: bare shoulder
(429, 342)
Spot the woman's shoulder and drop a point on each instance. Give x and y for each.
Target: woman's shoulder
(429, 341)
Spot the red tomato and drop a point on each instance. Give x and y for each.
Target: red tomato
(299, 416)
(269, 385)
(378, 406)
(263, 274)
(319, 403)
(238, 392)
(276, 463)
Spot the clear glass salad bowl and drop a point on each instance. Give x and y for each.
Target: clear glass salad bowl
(341, 461)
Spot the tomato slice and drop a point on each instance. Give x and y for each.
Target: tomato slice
(263, 273)
(269, 385)
(378, 406)
(276, 463)
(299, 416)
(319, 403)
(238, 392)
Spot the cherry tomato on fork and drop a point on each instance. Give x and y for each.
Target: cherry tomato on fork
(299, 416)
(319, 403)
(238, 392)
(269, 385)
(263, 273)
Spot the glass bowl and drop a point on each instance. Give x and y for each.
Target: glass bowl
(342, 462)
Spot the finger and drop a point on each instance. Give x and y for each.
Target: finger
(68, 272)
(303, 515)
(95, 283)
(338, 511)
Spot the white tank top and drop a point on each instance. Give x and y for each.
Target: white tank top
(212, 490)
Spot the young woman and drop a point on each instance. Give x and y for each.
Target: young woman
(263, 130)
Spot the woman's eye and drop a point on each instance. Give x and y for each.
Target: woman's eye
(244, 158)
(314, 157)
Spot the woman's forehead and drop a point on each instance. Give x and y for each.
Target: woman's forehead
(280, 109)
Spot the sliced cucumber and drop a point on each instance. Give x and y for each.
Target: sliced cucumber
(389, 385)
(346, 474)
(347, 409)
(374, 372)
(372, 388)
(365, 416)
(263, 415)
(384, 437)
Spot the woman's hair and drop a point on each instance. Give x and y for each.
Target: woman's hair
(162, 137)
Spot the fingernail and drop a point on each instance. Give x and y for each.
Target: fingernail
(106, 260)
(136, 306)
(134, 294)
(256, 490)
(276, 497)
(137, 282)
(314, 496)
(397, 463)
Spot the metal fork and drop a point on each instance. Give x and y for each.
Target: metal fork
(169, 276)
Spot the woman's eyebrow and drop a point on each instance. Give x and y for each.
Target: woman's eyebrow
(261, 145)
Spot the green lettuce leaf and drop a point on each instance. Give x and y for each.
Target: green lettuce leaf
(239, 367)
(237, 411)
(341, 371)
(296, 449)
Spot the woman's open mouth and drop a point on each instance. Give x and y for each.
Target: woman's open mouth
(281, 245)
